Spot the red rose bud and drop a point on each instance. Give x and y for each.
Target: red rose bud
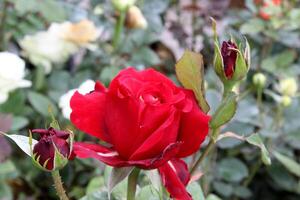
(231, 61)
(53, 149)
(229, 55)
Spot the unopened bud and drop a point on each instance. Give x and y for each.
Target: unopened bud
(285, 101)
(259, 79)
(53, 149)
(288, 87)
(135, 18)
(122, 5)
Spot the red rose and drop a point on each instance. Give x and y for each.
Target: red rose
(229, 55)
(146, 121)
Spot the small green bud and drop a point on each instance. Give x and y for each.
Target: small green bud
(122, 5)
(259, 80)
(285, 101)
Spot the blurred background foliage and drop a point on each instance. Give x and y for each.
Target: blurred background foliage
(269, 106)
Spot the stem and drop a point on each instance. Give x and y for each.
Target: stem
(260, 104)
(254, 169)
(132, 181)
(215, 133)
(227, 89)
(2, 25)
(59, 185)
(118, 29)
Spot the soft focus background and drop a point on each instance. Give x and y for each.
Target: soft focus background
(57, 46)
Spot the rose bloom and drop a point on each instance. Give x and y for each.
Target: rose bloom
(12, 73)
(146, 121)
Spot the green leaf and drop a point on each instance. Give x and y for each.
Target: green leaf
(242, 192)
(41, 103)
(213, 197)
(19, 123)
(252, 26)
(154, 178)
(189, 70)
(148, 193)
(196, 191)
(222, 188)
(95, 184)
(117, 175)
(232, 170)
(22, 141)
(255, 139)
(225, 111)
(291, 165)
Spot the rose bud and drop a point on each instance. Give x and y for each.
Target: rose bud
(53, 150)
(285, 101)
(135, 18)
(122, 5)
(259, 80)
(231, 63)
(146, 121)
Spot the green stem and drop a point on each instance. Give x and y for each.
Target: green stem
(260, 105)
(119, 29)
(39, 78)
(254, 169)
(227, 89)
(59, 185)
(2, 25)
(209, 147)
(132, 182)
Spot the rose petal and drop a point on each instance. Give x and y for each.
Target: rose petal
(122, 123)
(159, 139)
(112, 158)
(194, 128)
(175, 176)
(45, 151)
(88, 113)
(104, 154)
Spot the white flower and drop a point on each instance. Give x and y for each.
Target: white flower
(47, 48)
(12, 72)
(64, 101)
(288, 86)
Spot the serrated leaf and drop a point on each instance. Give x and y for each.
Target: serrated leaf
(22, 142)
(291, 165)
(189, 70)
(116, 176)
(255, 139)
(225, 111)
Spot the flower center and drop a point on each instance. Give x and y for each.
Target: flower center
(150, 98)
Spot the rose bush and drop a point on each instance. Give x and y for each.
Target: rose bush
(146, 121)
